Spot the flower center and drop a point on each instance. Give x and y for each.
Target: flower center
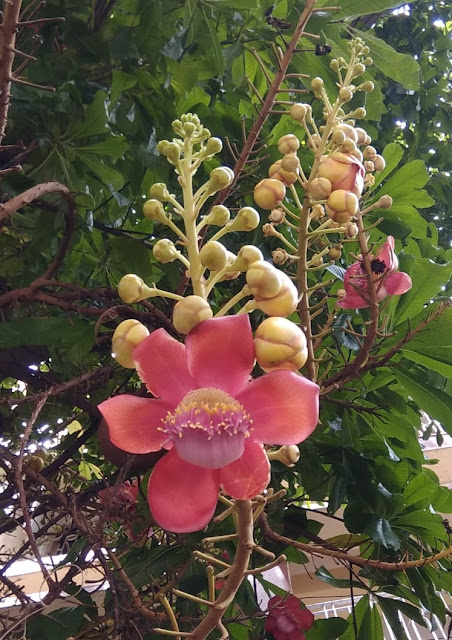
(208, 428)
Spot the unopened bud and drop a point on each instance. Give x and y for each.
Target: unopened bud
(263, 279)
(131, 288)
(288, 454)
(269, 193)
(345, 94)
(358, 69)
(316, 261)
(172, 152)
(280, 256)
(379, 162)
(232, 264)
(320, 189)
(288, 144)
(277, 216)
(317, 84)
(335, 252)
(370, 153)
(284, 302)
(213, 146)
(362, 135)
(219, 215)
(164, 251)
(153, 210)
(213, 256)
(298, 111)
(342, 205)
(339, 136)
(349, 131)
(367, 86)
(369, 165)
(317, 212)
(246, 219)
(291, 163)
(276, 172)
(247, 255)
(349, 145)
(314, 141)
(359, 113)
(368, 62)
(219, 179)
(269, 230)
(334, 64)
(189, 312)
(385, 202)
(352, 230)
(126, 337)
(280, 344)
(159, 191)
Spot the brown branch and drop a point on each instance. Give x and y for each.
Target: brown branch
(8, 34)
(356, 560)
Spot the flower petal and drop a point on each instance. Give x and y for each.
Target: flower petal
(220, 353)
(162, 365)
(249, 475)
(387, 255)
(398, 283)
(284, 407)
(351, 301)
(211, 452)
(133, 422)
(182, 497)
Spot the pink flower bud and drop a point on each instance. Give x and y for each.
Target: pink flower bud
(276, 172)
(320, 189)
(268, 193)
(344, 171)
(342, 205)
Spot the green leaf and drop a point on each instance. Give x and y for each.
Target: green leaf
(328, 629)
(401, 67)
(391, 611)
(114, 146)
(95, 120)
(439, 360)
(371, 627)
(352, 8)
(413, 175)
(380, 530)
(120, 82)
(416, 520)
(435, 402)
(393, 154)
(107, 175)
(427, 279)
(323, 574)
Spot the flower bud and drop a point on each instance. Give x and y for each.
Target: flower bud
(369, 165)
(213, 256)
(219, 179)
(357, 154)
(246, 219)
(232, 262)
(316, 261)
(172, 152)
(280, 256)
(277, 216)
(219, 215)
(291, 163)
(367, 86)
(153, 210)
(159, 191)
(263, 279)
(368, 62)
(352, 230)
(339, 136)
(213, 146)
(126, 337)
(345, 94)
(269, 230)
(288, 454)
(317, 212)
(334, 64)
(314, 140)
(385, 202)
(288, 144)
(349, 131)
(344, 171)
(268, 193)
(317, 84)
(379, 162)
(247, 255)
(164, 251)
(320, 189)
(284, 302)
(342, 205)
(349, 145)
(189, 312)
(276, 172)
(358, 69)
(131, 288)
(360, 113)
(362, 135)
(335, 252)
(298, 111)
(370, 153)
(280, 344)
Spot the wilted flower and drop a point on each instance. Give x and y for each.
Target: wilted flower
(286, 619)
(387, 280)
(211, 416)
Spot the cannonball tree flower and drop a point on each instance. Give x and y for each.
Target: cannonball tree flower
(387, 280)
(344, 171)
(211, 416)
(286, 619)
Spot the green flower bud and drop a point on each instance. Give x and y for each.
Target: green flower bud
(367, 86)
(359, 69)
(172, 152)
(218, 216)
(247, 255)
(213, 146)
(359, 113)
(153, 210)
(161, 146)
(345, 94)
(220, 178)
(164, 251)
(368, 62)
(246, 219)
(317, 84)
(213, 256)
(334, 65)
(159, 191)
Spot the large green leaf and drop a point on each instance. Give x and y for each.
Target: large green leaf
(371, 627)
(411, 176)
(358, 8)
(327, 629)
(95, 120)
(437, 359)
(433, 401)
(393, 154)
(391, 611)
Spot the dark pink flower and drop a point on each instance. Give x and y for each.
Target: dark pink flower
(211, 416)
(387, 280)
(286, 619)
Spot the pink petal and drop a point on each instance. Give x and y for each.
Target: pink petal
(210, 452)
(387, 255)
(398, 283)
(182, 497)
(351, 301)
(249, 475)
(220, 353)
(133, 422)
(284, 407)
(162, 366)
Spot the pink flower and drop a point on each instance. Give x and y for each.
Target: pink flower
(211, 416)
(344, 171)
(387, 280)
(286, 619)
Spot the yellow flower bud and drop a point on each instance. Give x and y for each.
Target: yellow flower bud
(276, 172)
(335, 252)
(342, 205)
(359, 69)
(213, 146)
(164, 251)
(131, 288)
(214, 256)
(379, 162)
(277, 216)
(247, 255)
(159, 191)
(263, 279)
(219, 215)
(153, 210)
(288, 144)
(385, 202)
(298, 111)
(280, 256)
(268, 193)
(219, 179)
(189, 312)
(352, 230)
(360, 113)
(345, 94)
(126, 337)
(350, 132)
(339, 136)
(280, 344)
(349, 145)
(288, 454)
(246, 219)
(317, 84)
(320, 189)
(291, 163)
(283, 303)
